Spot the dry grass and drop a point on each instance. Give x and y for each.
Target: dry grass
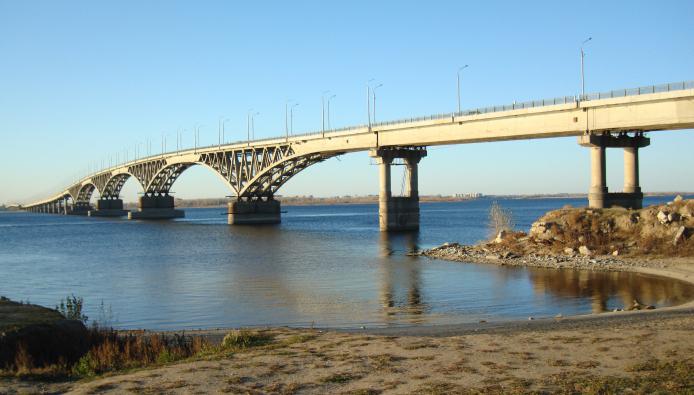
(110, 351)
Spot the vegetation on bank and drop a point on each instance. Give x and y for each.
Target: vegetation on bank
(656, 231)
(100, 350)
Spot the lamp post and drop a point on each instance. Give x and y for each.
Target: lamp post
(250, 124)
(286, 118)
(373, 92)
(329, 99)
(583, 81)
(322, 119)
(291, 117)
(224, 121)
(458, 85)
(196, 137)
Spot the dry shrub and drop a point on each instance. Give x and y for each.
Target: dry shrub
(244, 338)
(109, 350)
(113, 351)
(499, 219)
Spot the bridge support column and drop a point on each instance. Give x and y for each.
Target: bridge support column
(599, 197)
(398, 213)
(80, 208)
(254, 212)
(108, 207)
(156, 207)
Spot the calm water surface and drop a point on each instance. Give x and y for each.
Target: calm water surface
(327, 265)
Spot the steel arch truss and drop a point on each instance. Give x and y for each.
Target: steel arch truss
(238, 167)
(114, 185)
(164, 179)
(252, 172)
(271, 178)
(85, 192)
(100, 181)
(145, 172)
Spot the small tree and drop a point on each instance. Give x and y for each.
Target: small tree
(499, 219)
(71, 308)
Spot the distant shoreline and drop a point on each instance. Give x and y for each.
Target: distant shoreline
(373, 199)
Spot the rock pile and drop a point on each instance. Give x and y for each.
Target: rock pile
(597, 239)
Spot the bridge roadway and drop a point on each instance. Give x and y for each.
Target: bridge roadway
(255, 170)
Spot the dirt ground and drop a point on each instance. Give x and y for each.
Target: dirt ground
(622, 352)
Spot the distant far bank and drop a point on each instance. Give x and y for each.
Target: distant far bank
(372, 199)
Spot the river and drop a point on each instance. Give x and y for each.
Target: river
(327, 266)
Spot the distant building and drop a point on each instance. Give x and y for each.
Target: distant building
(469, 195)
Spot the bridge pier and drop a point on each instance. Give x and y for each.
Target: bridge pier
(108, 207)
(598, 196)
(156, 207)
(80, 208)
(398, 213)
(254, 212)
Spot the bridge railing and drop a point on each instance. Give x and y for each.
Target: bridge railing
(673, 86)
(643, 90)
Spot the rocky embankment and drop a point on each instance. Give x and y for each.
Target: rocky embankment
(596, 239)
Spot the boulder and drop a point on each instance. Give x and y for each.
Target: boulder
(569, 251)
(663, 217)
(680, 236)
(673, 217)
(677, 198)
(501, 236)
(584, 250)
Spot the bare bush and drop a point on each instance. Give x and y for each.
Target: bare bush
(499, 219)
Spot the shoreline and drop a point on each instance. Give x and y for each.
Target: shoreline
(680, 269)
(646, 351)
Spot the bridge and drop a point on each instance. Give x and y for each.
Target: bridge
(255, 170)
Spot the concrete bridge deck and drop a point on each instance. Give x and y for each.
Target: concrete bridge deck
(255, 170)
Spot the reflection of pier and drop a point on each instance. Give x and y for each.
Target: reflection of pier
(602, 286)
(400, 278)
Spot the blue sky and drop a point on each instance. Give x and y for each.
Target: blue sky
(81, 81)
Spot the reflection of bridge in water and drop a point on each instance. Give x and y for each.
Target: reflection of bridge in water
(603, 286)
(401, 281)
(403, 295)
(255, 170)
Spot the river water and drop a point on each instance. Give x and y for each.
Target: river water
(327, 266)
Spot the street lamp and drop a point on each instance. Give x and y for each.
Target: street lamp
(249, 122)
(286, 117)
(322, 102)
(196, 137)
(368, 101)
(373, 92)
(583, 81)
(458, 73)
(329, 99)
(291, 117)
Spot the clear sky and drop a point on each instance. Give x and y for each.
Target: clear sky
(81, 81)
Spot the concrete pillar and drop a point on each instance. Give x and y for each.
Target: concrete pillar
(400, 212)
(598, 177)
(631, 170)
(156, 207)
(254, 212)
(108, 207)
(412, 176)
(80, 208)
(384, 192)
(598, 196)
